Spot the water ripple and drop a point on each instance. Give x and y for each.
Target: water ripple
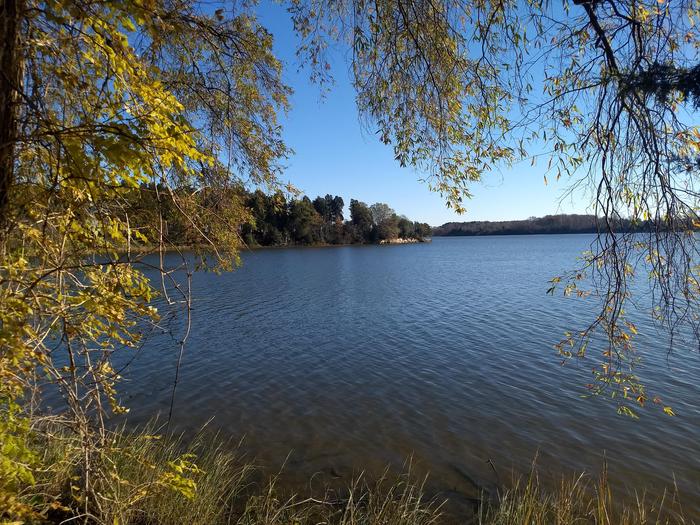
(358, 357)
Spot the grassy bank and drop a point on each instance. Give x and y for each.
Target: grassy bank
(141, 478)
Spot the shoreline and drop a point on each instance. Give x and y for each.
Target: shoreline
(154, 250)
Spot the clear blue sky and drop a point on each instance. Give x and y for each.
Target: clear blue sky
(335, 154)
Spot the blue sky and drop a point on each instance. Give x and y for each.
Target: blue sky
(336, 154)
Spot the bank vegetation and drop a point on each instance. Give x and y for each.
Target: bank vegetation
(141, 477)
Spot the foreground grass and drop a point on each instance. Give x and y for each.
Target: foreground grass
(140, 478)
(581, 500)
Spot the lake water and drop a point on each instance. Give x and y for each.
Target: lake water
(355, 358)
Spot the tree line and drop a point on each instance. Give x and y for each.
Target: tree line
(270, 219)
(549, 224)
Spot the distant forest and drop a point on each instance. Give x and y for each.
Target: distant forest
(275, 220)
(534, 225)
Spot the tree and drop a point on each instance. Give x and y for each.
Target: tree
(406, 228)
(337, 205)
(381, 212)
(305, 221)
(422, 230)
(330, 209)
(361, 218)
(321, 206)
(269, 220)
(388, 229)
(98, 99)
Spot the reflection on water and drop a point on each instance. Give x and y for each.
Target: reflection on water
(359, 357)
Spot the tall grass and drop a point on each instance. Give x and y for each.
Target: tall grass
(141, 479)
(580, 500)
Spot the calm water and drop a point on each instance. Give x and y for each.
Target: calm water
(359, 357)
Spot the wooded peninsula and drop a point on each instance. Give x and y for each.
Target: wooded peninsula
(271, 219)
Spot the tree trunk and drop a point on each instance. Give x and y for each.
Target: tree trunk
(10, 78)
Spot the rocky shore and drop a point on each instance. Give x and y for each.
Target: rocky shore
(401, 240)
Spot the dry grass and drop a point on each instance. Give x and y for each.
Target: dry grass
(581, 500)
(139, 478)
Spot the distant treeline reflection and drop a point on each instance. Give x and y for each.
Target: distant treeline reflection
(549, 224)
(263, 219)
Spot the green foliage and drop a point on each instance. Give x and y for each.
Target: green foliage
(278, 222)
(17, 460)
(361, 218)
(305, 222)
(381, 212)
(388, 228)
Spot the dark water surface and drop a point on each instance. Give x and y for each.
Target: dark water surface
(355, 358)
